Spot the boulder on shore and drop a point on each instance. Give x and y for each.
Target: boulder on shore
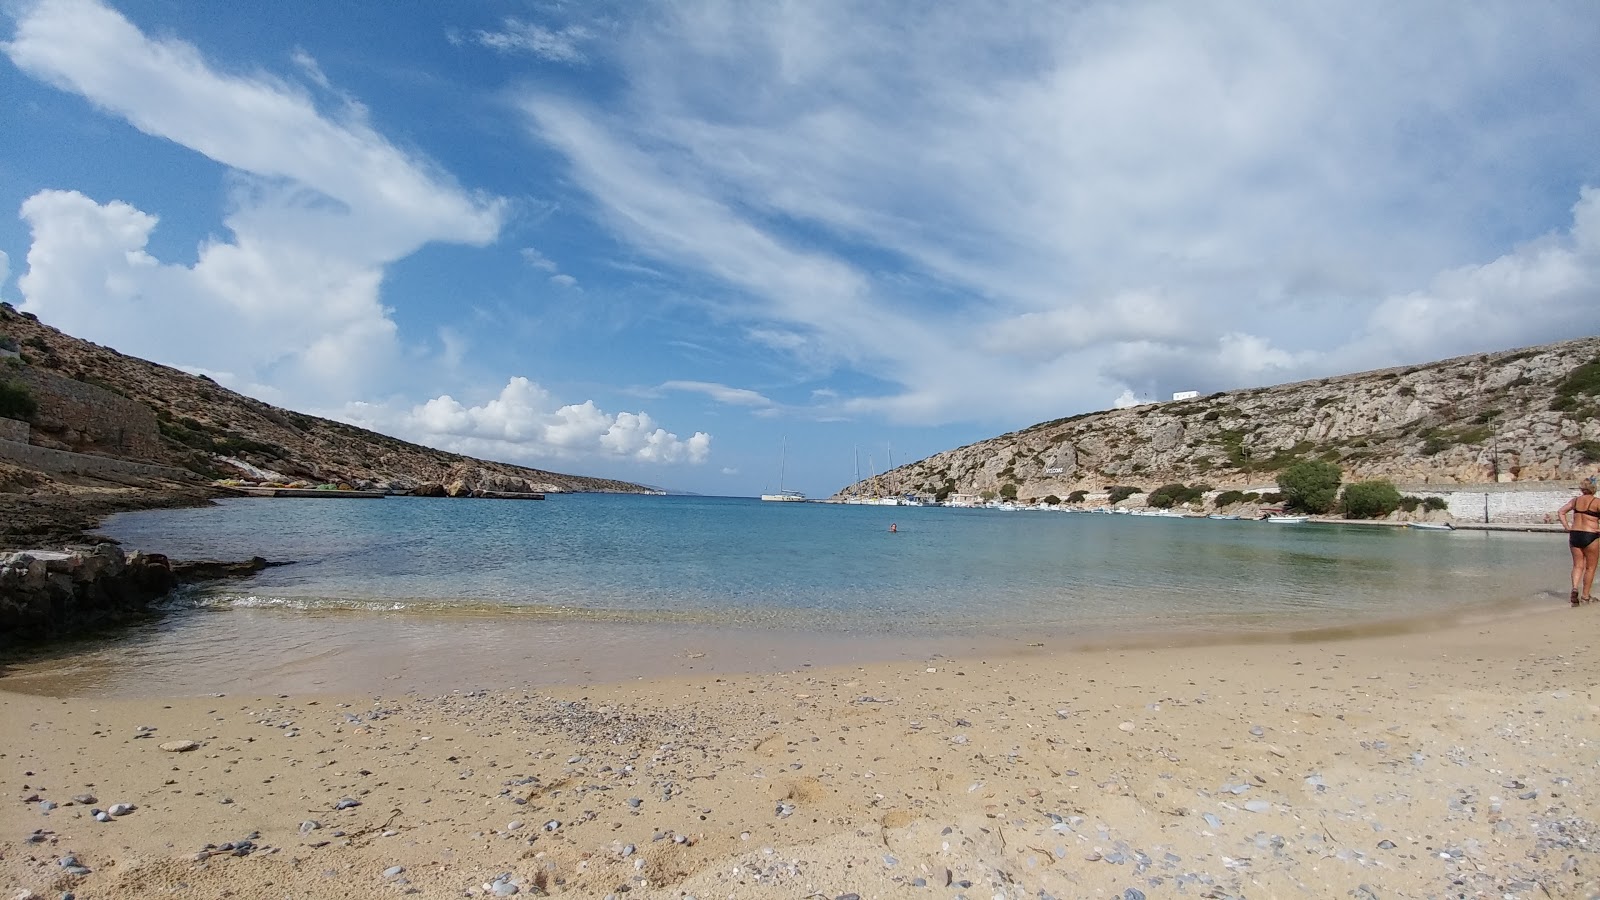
(53, 593)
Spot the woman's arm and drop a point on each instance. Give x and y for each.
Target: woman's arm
(1561, 513)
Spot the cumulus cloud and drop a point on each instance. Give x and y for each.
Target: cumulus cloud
(320, 204)
(1548, 284)
(524, 423)
(1015, 215)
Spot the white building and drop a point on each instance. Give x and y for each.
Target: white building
(1185, 395)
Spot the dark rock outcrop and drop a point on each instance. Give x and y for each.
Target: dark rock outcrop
(48, 594)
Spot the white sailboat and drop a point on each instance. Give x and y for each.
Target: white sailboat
(784, 496)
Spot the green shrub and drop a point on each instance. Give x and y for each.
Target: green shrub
(1370, 500)
(1435, 503)
(1077, 496)
(8, 342)
(1409, 503)
(1170, 495)
(1588, 451)
(1228, 498)
(1121, 492)
(1584, 380)
(1008, 491)
(1052, 500)
(1310, 485)
(16, 401)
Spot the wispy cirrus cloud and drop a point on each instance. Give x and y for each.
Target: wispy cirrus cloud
(1012, 215)
(320, 204)
(721, 393)
(287, 304)
(563, 45)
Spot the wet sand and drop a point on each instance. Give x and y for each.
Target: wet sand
(1459, 761)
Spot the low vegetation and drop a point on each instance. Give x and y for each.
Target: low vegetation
(1310, 485)
(16, 401)
(1369, 500)
(1121, 492)
(1170, 495)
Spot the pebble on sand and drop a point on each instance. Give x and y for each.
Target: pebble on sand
(180, 746)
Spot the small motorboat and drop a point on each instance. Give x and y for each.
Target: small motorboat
(1288, 520)
(1222, 518)
(1431, 526)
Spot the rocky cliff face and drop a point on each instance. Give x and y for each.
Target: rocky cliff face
(1513, 416)
(199, 425)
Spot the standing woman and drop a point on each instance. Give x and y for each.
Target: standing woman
(1583, 536)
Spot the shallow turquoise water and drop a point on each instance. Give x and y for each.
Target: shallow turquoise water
(437, 595)
(825, 567)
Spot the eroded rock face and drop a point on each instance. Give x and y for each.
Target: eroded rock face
(1513, 416)
(52, 593)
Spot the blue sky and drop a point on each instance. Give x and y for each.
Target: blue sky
(660, 241)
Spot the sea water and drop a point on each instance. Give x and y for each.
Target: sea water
(601, 586)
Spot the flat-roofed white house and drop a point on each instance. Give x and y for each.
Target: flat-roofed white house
(1185, 395)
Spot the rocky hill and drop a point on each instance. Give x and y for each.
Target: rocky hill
(1526, 415)
(92, 399)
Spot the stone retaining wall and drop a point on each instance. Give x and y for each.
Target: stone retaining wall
(88, 417)
(64, 461)
(1521, 507)
(14, 430)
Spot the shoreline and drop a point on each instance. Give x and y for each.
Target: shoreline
(193, 652)
(1262, 770)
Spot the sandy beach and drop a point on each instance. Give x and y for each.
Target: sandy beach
(1456, 762)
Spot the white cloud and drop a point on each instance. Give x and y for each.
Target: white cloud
(564, 281)
(320, 204)
(720, 392)
(517, 36)
(524, 423)
(1549, 284)
(1126, 400)
(538, 260)
(1008, 216)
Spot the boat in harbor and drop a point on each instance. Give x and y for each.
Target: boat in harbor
(1288, 520)
(784, 496)
(1431, 526)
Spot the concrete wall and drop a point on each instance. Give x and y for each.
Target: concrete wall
(1520, 507)
(47, 460)
(90, 418)
(14, 430)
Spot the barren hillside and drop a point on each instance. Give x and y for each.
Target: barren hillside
(1516, 415)
(201, 426)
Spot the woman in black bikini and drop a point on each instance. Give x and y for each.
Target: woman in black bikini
(1583, 536)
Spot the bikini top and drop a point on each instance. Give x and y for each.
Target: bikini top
(1587, 512)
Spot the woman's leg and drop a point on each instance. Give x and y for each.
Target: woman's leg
(1577, 573)
(1591, 556)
